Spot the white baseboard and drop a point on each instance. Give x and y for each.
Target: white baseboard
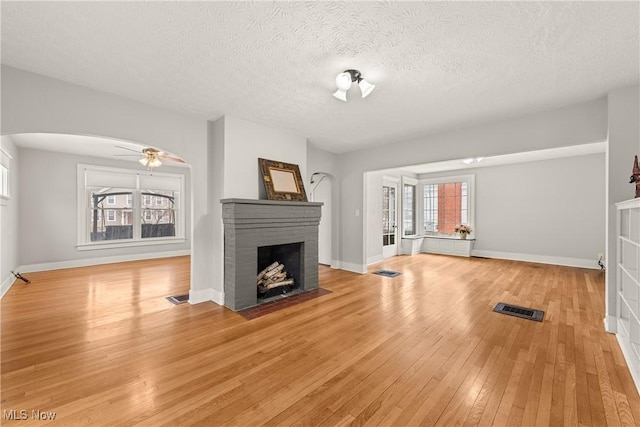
(353, 267)
(610, 324)
(204, 295)
(6, 284)
(217, 297)
(634, 369)
(375, 259)
(542, 259)
(98, 261)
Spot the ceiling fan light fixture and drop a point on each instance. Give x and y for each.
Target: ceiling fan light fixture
(150, 162)
(152, 157)
(154, 162)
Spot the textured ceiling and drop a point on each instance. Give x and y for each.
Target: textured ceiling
(436, 65)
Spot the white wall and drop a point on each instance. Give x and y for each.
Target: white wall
(545, 211)
(624, 143)
(323, 194)
(244, 143)
(326, 192)
(536, 211)
(9, 219)
(35, 103)
(577, 124)
(373, 189)
(212, 225)
(48, 210)
(234, 146)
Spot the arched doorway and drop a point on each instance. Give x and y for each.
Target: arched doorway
(56, 233)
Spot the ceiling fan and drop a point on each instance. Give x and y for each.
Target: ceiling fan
(150, 156)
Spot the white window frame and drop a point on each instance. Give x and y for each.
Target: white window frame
(111, 200)
(111, 213)
(416, 204)
(83, 234)
(471, 194)
(5, 176)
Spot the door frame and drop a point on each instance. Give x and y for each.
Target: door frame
(392, 250)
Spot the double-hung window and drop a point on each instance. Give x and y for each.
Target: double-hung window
(114, 207)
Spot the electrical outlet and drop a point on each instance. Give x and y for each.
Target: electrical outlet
(600, 256)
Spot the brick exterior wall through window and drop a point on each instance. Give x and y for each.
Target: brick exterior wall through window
(449, 206)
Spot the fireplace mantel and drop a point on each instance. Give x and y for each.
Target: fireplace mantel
(250, 224)
(269, 202)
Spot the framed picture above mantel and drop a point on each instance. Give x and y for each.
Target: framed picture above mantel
(282, 181)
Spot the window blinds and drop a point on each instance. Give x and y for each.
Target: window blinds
(129, 179)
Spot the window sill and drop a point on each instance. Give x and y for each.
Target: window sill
(115, 244)
(443, 236)
(436, 236)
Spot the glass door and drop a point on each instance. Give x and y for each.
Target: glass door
(389, 220)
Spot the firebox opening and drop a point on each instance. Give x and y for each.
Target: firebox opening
(289, 259)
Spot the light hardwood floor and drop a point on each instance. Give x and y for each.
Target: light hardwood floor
(102, 346)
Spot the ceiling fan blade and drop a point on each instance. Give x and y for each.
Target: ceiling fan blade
(130, 149)
(175, 159)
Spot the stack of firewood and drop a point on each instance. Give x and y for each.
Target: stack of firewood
(273, 276)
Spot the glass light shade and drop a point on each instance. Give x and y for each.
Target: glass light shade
(343, 81)
(366, 87)
(341, 94)
(151, 162)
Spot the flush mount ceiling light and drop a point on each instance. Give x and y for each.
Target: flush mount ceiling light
(471, 160)
(344, 80)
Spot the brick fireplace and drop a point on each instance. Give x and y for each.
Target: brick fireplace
(252, 225)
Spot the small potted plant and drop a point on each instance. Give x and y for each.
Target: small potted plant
(463, 230)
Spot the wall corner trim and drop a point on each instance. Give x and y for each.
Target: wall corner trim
(204, 295)
(610, 324)
(375, 259)
(6, 285)
(353, 267)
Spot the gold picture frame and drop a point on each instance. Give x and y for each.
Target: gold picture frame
(282, 181)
